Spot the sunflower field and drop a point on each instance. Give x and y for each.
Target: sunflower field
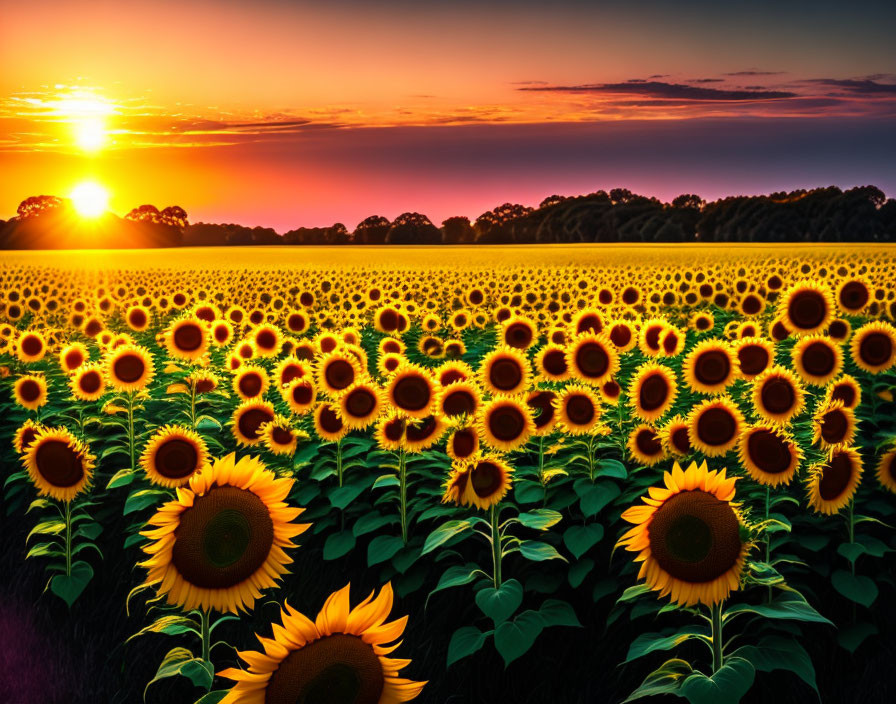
(652, 475)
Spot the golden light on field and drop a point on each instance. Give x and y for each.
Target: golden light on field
(90, 199)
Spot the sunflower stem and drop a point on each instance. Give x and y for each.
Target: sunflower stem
(716, 621)
(193, 406)
(206, 635)
(403, 494)
(131, 428)
(496, 546)
(768, 539)
(68, 538)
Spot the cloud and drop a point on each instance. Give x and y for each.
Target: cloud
(866, 87)
(707, 80)
(659, 89)
(754, 73)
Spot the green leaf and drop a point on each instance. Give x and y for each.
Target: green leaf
(726, 686)
(666, 679)
(857, 588)
(578, 572)
(528, 492)
(443, 534)
(779, 653)
(594, 496)
(540, 518)
(382, 548)
(341, 497)
(207, 423)
(180, 661)
(579, 539)
(54, 527)
(612, 468)
(69, 587)
(788, 606)
(537, 551)
(464, 642)
(554, 612)
(455, 576)
(89, 530)
(514, 638)
(500, 604)
(370, 522)
(304, 455)
(633, 593)
(139, 500)
(170, 624)
(122, 477)
(213, 697)
(852, 636)
(338, 544)
(651, 642)
(44, 550)
(386, 480)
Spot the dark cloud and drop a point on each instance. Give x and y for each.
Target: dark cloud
(528, 83)
(754, 73)
(659, 89)
(708, 80)
(866, 87)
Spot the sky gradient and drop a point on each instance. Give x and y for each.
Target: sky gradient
(285, 114)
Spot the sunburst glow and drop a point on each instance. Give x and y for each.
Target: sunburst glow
(90, 199)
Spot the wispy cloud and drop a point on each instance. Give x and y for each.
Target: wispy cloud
(661, 89)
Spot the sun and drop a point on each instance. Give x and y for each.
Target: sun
(90, 199)
(90, 133)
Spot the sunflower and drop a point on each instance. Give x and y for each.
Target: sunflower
(279, 436)
(769, 455)
(449, 372)
(519, 332)
(649, 336)
(411, 391)
(610, 391)
(336, 371)
(645, 445)
(505, 423)
(652, 391)
(297, 322)
(754, 355)
(431, 346)
(458, 399)
(714, 426)
(30, 391)
(248, 418)
(202, 381)
(748, 329)
(688, 536)
(59, 465)
(817, 359)
(833, 425)
(31, 346)
(710, 368)
(886, 471)
(360, 404)
(551, 363)
(137, 318)
(622, 334)
(25, 435)
(675, 438)
(853, 295)
(390, 431)
(702, 321)
(422, 433)
(671, 342)
(388, 363)
(463, 443)
(129, 368)
(777, 395)
(339, 657)
(290, 368)
(806, 307)
(504, 370)
(831, 485)
(300, 395)
(222, 332)
(845, 389)
(88, 383)
(73, 356)
(578, 410)
(752, 304)
(873, 347)
(172, 455)
(387, 319)
(187, 339)
(328, 423)
(455, 348)
(250, 381)
(480, 482)
(592, 358)
(267, 339)
(222, 540)
(391, 345)
(544, 415)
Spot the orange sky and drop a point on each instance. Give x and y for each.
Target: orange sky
(194, 97)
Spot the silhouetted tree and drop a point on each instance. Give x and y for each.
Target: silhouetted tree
(688, 200)
(413, 228)
(36, 206)
(458, 230)
(372, 230)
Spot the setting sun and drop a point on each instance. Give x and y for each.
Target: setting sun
(90, 199)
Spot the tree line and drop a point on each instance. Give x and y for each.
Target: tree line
(861, 214)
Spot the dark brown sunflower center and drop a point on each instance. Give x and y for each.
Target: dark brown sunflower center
(90, 382)
(854, 295)
(648, 443)
(620, 335)
(463, 443)
(188, 337)
(751, 305)
(579, 409)
(807, 309)
(486, 478)
(518, 335)
(128, 368)
(251, 420)
(59, 463)
(388, 320)
(716, 426)
(250, 384)
(769, 451)
(27, 437)
(670, 342)
(290, 372)
(301, 394)
(296, 322)
(450, 376)
(834, 426)
(876, 348)
(592, 360)
(422, 430)
(506, 423)
(695, 537)
(336, 669)
(330, 420)
(459, 402)
(223, 538)
(281, 436)
(654, 392)
(176, 458)
(412, 393)
(32, 345)
(835, 477)
(753, 359)
(777, 395)
(29, 390)
(681, 440)
(266, 339)
(652, 337)
(394, 429)
(74, 359)
(339, 374)
(554, 362)
(505, 374)
(630, 296)
(589, 322)
(845, 393)
(819, 359)
(221, 333)
(360, 403)
(542, 403)
(712, 367)
(838, 330)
